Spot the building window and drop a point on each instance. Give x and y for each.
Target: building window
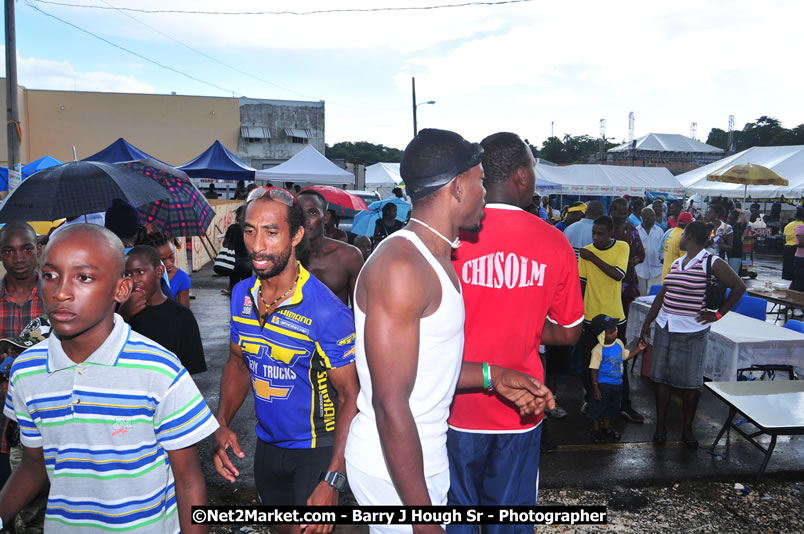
(255, 134)
(298, 136)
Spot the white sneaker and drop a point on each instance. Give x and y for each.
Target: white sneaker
(558, 412)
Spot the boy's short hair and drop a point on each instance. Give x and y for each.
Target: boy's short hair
(316, 194)
(96, 231)
(146, 252)
(17, 226)
(606, 221)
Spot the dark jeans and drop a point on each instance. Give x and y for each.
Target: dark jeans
(798, 275)
(788, 259)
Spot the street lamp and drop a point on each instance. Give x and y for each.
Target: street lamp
(415, 106)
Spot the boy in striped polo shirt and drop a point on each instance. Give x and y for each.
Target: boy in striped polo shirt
(109, 416)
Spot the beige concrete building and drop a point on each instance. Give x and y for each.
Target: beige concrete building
(172, 128)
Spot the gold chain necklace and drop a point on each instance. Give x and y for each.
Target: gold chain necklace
(277, 299)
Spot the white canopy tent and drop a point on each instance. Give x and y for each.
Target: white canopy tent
(309, 166)
(786, 161)
(383, 178)
(610, 180)
(656, 142)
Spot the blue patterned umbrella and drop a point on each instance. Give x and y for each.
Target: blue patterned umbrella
(77, 188)
(365, 220)
(186, 213)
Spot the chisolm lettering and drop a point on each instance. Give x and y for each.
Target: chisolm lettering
(498, 270)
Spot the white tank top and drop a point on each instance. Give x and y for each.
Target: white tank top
(440, 357)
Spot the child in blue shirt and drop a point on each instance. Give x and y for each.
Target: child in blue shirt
(606, 368)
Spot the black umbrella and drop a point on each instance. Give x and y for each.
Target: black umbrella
(77, 188)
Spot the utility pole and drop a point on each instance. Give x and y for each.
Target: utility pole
(12, 109)
(413, 87)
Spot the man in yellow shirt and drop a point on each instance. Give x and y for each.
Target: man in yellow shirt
(672, 238)
(601, 267)
(791, 244)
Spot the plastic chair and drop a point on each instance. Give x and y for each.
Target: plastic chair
(654, 290)
(751, 307)
(792, 324)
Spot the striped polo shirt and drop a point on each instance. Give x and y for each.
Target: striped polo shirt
(288, 358)
(104, 426)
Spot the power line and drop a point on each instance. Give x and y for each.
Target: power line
(163, 34)
(149, 60)
(211, 58)
(297, 13)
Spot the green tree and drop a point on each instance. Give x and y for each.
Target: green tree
(553, 150)
(363, 152)
(580, 147)
(798, 134)
(759, 133)
(718, 138)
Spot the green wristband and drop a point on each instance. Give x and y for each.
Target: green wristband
(487, 377)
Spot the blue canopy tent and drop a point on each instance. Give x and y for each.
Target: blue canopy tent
(217, 162)
(38, 164)
(118, 152)
(365, 220)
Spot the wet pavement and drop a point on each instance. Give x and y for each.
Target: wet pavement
(668, 488)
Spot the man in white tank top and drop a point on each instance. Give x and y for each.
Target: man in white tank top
(409, 325)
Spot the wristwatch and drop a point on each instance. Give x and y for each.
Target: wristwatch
(334, 479)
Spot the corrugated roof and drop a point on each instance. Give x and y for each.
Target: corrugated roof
(667, 143)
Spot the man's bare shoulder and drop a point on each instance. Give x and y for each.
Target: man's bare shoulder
(397, 273)
(397, 259)
(340, 249)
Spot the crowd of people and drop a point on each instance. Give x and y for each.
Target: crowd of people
(430, 389)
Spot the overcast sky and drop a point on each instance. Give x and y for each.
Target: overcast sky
(515, 67)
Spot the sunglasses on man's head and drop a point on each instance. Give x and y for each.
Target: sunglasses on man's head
(274, 193)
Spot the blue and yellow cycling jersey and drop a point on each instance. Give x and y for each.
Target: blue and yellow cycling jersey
(288, 359)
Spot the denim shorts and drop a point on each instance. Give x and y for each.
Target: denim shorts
(608, 407)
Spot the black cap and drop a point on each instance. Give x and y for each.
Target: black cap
(433, 158)
(601, 323)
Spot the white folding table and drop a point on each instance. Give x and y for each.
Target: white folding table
(735, 342)
(775, 407)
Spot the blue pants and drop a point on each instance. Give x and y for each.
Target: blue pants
(493, 469)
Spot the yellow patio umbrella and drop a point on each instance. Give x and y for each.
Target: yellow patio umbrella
(746, 174)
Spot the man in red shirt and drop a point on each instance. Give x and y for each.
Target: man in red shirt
(520, 285)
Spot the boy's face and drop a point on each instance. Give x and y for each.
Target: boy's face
(611, 334)
(18, 254)
(144, 277)
(601, 236)
(81, 283)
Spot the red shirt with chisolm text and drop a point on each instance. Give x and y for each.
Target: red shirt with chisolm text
(517, 271)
